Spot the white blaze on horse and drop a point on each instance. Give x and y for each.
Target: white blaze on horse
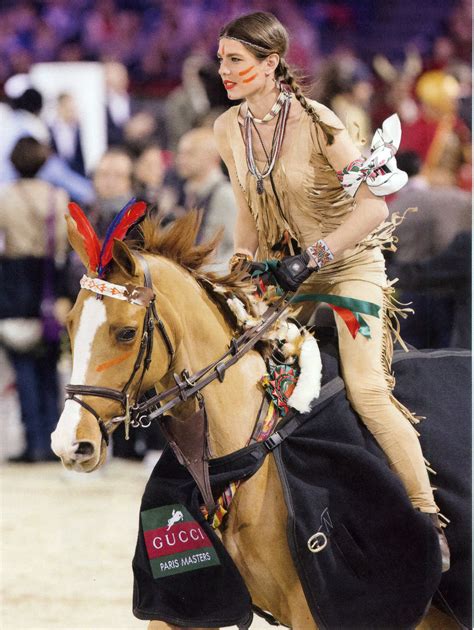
(110, 341)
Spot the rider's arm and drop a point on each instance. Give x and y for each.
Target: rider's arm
(369, 211)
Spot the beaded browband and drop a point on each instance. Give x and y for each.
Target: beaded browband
(141, 296)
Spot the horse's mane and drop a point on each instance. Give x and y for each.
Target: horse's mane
(177, 241)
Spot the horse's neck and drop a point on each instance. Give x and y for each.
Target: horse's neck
(232, 406)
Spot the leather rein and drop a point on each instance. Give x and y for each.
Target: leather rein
(142, 413)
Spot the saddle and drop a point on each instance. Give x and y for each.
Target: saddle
(365, 558)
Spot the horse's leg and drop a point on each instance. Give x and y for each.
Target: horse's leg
(162, 625)
(255, 537)
(436, 620)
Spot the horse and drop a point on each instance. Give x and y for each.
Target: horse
(106, 338)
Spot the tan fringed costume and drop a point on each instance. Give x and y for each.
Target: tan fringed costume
(311, 204)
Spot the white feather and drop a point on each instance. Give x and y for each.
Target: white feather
(243, 317)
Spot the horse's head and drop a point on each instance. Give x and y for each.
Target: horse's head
(111, 332)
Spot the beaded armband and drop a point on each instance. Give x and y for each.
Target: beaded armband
(320, 253)
(238, 260)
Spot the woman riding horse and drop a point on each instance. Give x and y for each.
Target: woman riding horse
(306, 196)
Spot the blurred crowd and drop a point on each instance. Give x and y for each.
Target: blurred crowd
(162, 93)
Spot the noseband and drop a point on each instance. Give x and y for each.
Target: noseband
(142, 296)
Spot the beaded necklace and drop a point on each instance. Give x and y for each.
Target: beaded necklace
(277, 141)
(277, 105)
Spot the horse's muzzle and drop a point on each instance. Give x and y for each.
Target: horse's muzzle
(82, 456)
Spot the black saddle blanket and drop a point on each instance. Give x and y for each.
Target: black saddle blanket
(365, 558)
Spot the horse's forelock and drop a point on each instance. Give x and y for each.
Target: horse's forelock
(177, 241)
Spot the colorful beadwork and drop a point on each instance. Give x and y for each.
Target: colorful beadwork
(279, 384)
(226, 498)
(320, 253)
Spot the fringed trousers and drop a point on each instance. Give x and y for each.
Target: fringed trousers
(366, 370)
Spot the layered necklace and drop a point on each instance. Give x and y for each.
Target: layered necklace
(277, 105)
(280, 108)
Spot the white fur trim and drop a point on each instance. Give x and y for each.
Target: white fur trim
(308, 386)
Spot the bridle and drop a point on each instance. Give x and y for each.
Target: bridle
(142, 296)
(152, 407)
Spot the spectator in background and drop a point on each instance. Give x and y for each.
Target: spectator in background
(118, 100)
(20, 118)
(188, 104)
(395, 92)
(34, 245)
(152, 184)
(346, 88)
(65, 133)
(149, 173)
(138, 132)
(438, 134)
(444, 213)
(206, 187)
(113, 187)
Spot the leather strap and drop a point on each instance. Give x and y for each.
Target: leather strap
(187, 386)
(189, 440)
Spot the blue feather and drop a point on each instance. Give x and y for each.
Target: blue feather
(111, 229)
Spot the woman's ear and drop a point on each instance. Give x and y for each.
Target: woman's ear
(123, 258)
(272, 62)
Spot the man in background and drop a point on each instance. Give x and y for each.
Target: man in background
(208, 189)
(113, 188)
(65, 133)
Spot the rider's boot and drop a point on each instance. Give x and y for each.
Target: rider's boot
(443, 543)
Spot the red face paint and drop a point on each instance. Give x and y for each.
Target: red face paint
(108, 364)
(243, 72)
(254, 76)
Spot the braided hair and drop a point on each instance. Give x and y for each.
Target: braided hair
(284, 73)
(263, 34)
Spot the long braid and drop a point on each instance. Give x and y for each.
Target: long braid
(283, 72)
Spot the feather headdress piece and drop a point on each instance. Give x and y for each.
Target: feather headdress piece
(99, 256)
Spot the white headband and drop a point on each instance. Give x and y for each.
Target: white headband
(246, 43)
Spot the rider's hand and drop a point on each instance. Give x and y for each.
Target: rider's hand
(261, 272)
(292, 271)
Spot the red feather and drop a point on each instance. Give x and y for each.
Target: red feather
(129, 218)
(91, 241)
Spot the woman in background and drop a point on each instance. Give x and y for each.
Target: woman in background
(34, 243)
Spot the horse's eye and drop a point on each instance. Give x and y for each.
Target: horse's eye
(126, 334)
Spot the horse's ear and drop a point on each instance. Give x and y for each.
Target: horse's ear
(123, 258)
(76, 241)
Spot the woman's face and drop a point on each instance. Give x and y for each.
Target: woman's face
(242, 73)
